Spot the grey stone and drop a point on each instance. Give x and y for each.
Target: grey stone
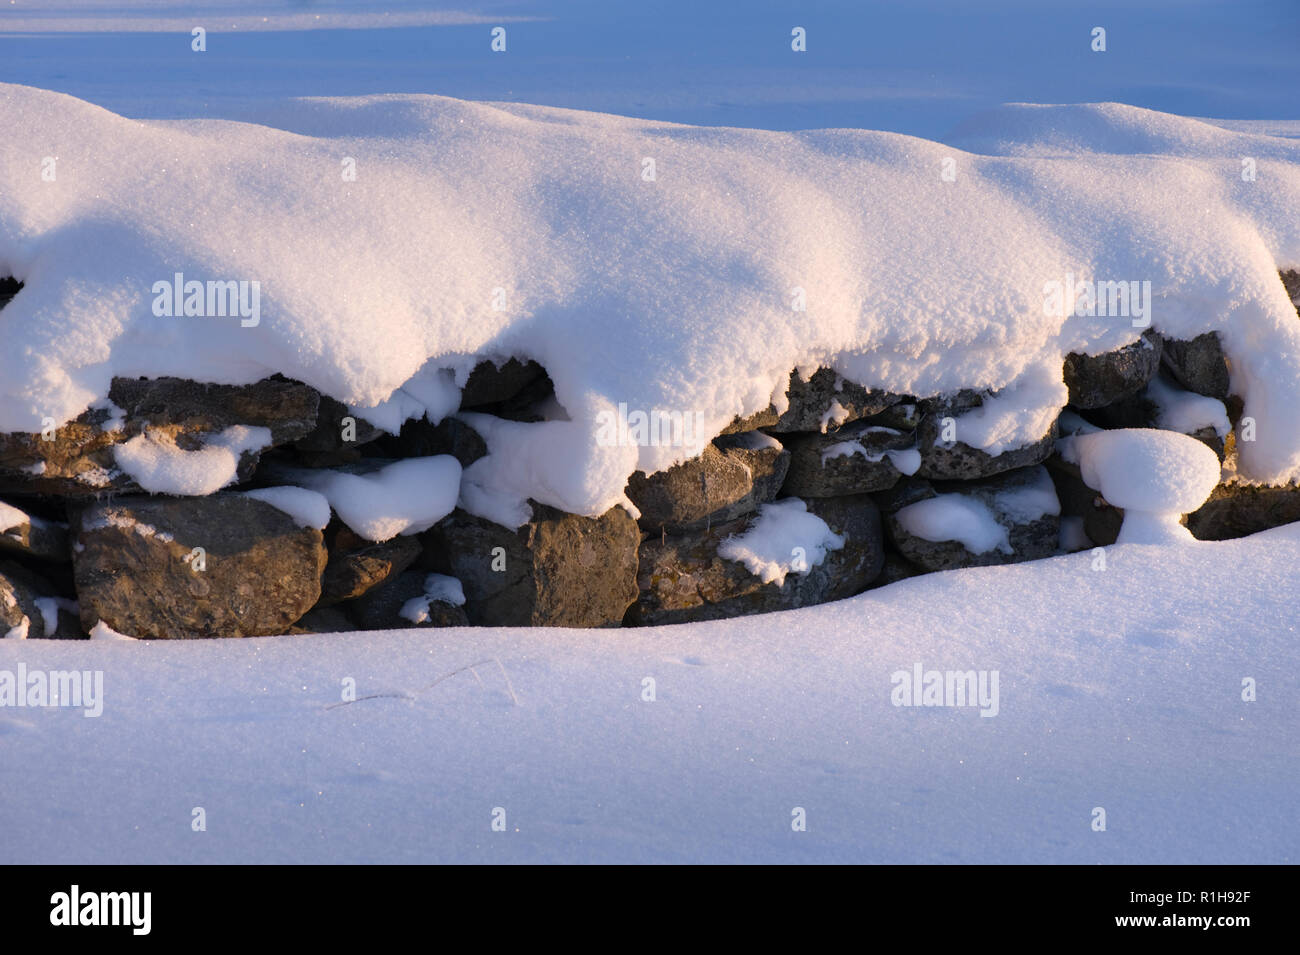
(1098, 380)
(323, 620)
(557, 570)
(730, 479)
(683, 579)
(79, 461)
(1101, 519)
(1291, 281)
(381, 608)
(490, 383)
(287, 408)
(852, 460)
(1141, 411)
(1028, 537)
(136, 570)
(811, 403)
(958, 461)
(904, 416)
(1197, 365)
(420, 438)
(331, 434)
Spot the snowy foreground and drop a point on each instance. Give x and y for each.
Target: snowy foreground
(1119, 689)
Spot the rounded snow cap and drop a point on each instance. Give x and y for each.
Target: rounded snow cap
(1147, 471)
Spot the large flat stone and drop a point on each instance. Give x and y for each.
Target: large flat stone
(683, 579)
(730, 479)
(856, 459)
(80, 461)
(134, 564)
(957, 461)
(1099, 380)
(1010, 500)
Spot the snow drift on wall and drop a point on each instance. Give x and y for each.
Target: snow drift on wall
(659, 266)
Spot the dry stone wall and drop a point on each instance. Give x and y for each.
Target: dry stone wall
(81, 542)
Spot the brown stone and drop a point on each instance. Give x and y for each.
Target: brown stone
(136, 568)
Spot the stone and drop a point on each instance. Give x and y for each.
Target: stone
(490, 383)
(1197, 365)
(895, 568)
(19, 614)
(957, 461)
(1013, 500)
(9, 287)
(1101, 519)
(357, 565)
(323, 620)
(1141, 410)
(136, 568)
(288, 408)
(515, 391)
(29, 605)
(824, 401)
(79, 461)
(556, 570)
(1099, 380)
(857, 458)
(907, 491)
(32, 536)
(1290, 281)
(1156, 477)
(683, 579)
(904, 416)
(421, 438)
(1239, 510)
(330, 433)
(729, 479)
(855, 518)
(381, 608)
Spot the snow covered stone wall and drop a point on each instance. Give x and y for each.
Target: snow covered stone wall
(414, 361)
(327, 523)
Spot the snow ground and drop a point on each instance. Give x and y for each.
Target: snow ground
(1119, 689)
